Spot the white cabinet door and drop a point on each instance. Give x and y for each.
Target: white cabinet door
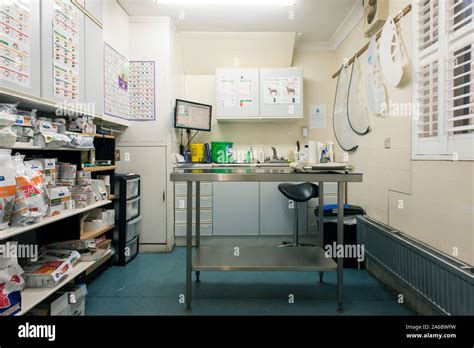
(95, 8)
(237, 94)
(235, 209)
(94, 65)
(10, 54)
(53, 86)
(146, 162)
(275, 216)
(281, 93)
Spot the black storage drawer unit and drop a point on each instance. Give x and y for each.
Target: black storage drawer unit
(350, 231)
(128, 219)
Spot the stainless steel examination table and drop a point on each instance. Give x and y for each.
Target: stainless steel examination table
(218, 258)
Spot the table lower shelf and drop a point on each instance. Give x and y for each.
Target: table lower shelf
(302, 259)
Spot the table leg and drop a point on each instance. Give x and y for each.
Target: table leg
(198, 221)
(321, 215)
(340, 241)
(189, 244)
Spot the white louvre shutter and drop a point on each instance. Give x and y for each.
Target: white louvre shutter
(427, 97)
(460, 91)
(428, 24)
(459, 15)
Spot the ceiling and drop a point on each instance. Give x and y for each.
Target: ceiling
(318, 21)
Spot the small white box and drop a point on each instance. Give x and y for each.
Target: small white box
(60, 200)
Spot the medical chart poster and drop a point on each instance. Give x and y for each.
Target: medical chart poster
(282, 90)
(317, 116)
(142, 91)
(65, 50)
(15, 46)
(116, 81)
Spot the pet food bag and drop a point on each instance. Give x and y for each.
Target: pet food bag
(32, 186)
(7, 188)
(11, 284)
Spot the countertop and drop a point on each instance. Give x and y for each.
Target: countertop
(257, 174)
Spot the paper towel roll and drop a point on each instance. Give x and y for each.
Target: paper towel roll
(312, 152)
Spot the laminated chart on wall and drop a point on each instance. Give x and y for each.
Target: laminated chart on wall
(65, 50)
(116, 84)
(15, 46)
(282, 90)
(142, 91)
(237, 92)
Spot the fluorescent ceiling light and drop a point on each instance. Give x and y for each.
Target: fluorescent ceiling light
(229, 2)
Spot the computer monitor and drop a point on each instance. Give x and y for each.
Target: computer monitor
(192, 116)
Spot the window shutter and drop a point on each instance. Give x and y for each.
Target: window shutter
(460, 15)
(428, 24)
(427, 93)
(460, 91)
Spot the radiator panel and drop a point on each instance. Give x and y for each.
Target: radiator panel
(445, 282)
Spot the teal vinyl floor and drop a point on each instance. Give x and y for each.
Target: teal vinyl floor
(152, 285)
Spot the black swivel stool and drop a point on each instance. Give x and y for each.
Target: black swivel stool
(298, 193)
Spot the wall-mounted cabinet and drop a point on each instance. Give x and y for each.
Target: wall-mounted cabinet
(95, 8)
(94, 65)
(238, 93)
(281, 93)
(259, 94)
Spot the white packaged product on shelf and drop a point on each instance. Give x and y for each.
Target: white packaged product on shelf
(59, 200)
(49, 140)
(11, 284)
(7, 136)
(33, 188)
(50, 175)
(46, 274)
(7, 187)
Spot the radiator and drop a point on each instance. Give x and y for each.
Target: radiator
(444, 281)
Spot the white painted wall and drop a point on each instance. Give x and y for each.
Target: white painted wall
(438, 196)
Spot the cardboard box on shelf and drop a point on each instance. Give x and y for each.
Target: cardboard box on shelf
(70, 256)
(46, 274)
(68, 301)
(60, 200)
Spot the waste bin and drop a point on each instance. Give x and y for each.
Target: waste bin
(350, 230)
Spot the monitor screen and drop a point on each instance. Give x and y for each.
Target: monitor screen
(190, 115)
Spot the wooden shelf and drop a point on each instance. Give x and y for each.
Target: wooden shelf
(95, 234)
(14, 231)
(105, 136)
(30, 297)
(98, 168)
(25, 100)
(38, 148)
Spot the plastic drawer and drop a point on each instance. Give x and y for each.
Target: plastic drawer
(181, 189)
(180, 230)
(132, 209)
(132, 229)
(132, 188)
(180, 216)
(131, 249)
(181, 202)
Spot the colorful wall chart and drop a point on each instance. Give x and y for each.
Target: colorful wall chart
(142, 91)
(65, 50)
(15, 42)
(116, 83)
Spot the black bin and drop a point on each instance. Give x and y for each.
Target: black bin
(350, 231)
